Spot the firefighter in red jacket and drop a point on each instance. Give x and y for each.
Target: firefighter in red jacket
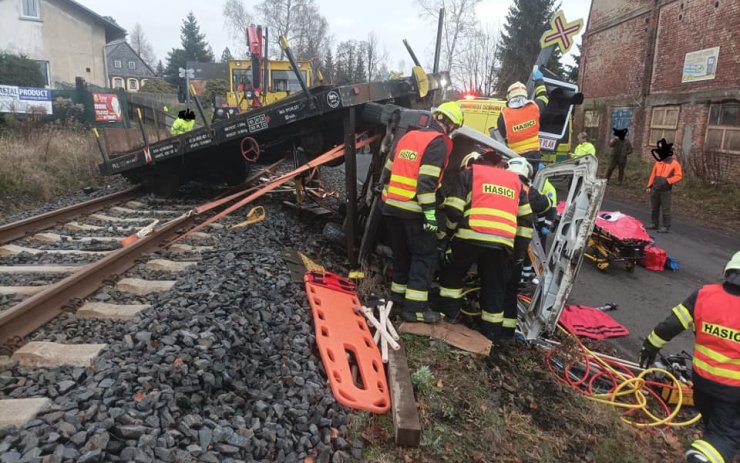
(714, 312)
(410, 207)
(519, 121)
(492, 223)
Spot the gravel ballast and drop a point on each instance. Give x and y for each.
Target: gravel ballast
(223, 368)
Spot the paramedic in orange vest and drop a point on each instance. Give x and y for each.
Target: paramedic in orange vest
(519, 121)
(713, 313)
(492, 223)
(666, 173)
(409, 209)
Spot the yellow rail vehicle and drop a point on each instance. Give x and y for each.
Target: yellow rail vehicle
(281, 82)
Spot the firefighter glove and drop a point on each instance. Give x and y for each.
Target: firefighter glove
(430, 221)
(545, 231)
(537, 75)
(647, 354)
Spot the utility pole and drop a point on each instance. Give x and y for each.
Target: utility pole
(187, 74)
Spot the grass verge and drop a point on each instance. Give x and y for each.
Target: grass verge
(505, 409)
(40, 163)
(714, 205)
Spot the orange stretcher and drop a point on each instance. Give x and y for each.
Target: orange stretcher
(341, 334)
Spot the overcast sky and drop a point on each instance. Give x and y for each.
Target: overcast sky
(391, 20)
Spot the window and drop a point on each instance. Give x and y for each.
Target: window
(286, 81)
(117, 63)
(44, 67)
(664, 124)
(30, 9)
(133, 84)
(117, 82)
(723, 129)
(132, 64)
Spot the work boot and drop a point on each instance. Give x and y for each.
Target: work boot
(695, 456)
(450, 316)
(663, 230)
(426, 316)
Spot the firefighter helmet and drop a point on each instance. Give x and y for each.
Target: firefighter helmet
(520, 166)
(734, 263)
(517, 89)
(451, 110)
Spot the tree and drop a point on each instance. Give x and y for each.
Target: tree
(375, 57)
(194, 48)
(328, 68)
(157, 86)
(301, 22)
(237, 19)
(346, 62)
(226, 55)
(160, 69)
(477, 64)
(572, 71)
(141, 45)
(520, 42)
(360, 75)
(460, 21)
(20, 71)
(216, 88)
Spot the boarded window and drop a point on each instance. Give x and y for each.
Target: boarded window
(723, 128)
(591, 121)
(664, 123)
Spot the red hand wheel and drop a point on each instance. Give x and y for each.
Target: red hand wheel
(250, 149)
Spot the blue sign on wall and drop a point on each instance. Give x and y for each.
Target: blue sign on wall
(621, 118)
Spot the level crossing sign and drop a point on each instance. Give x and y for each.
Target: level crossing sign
(561, 32)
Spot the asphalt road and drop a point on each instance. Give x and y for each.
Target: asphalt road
(645, 297)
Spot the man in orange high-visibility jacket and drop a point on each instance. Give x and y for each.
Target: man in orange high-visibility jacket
(519, 121)
(666, 173)
(714, 313)
(410, 206)
(492, 223)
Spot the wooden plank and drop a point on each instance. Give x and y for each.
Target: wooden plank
(406, 424)
(456, 335)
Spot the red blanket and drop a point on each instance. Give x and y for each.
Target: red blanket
(620, 226)
(591, 322)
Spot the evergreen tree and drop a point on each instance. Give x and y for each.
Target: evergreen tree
(360, 75)
(160, 69)
(18, 70)
(520, 41)
(328, 68)
(226, 55)
(194, 48)
(572, 71)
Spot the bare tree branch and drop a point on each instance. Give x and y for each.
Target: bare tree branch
(141, 45)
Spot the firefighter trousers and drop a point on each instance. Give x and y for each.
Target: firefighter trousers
(414, 262)
(508, 326)
(660, 201)
(721, 426)
(494, 266)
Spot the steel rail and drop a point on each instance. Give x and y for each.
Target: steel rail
(32, 313)
(15, 230)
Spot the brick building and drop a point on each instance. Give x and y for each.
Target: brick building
(665, 68)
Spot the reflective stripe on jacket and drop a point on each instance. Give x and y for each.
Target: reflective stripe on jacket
(402, 188)
(717, 348)
(584, 149)
(522, 127)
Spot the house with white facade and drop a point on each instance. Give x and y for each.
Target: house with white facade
(66, 39)
(126, 69)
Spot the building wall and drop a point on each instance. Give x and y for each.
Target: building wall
(70, 41)
(633, 57)
(691, 25)
(74, 44)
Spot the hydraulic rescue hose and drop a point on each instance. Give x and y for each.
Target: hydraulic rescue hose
(626, 390)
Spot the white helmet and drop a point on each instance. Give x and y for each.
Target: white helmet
(520, 166)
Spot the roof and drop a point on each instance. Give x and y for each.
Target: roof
(121, 50)
(112, 30)
(209, 70)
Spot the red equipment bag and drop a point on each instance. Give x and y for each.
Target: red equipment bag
(655, 258)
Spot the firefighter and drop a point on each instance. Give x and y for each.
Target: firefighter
(714, 314)
(539, 204)
(491, 222)
(584, 147)
(519, 121)
(181, 124)
(666, 173)
(409, 210)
